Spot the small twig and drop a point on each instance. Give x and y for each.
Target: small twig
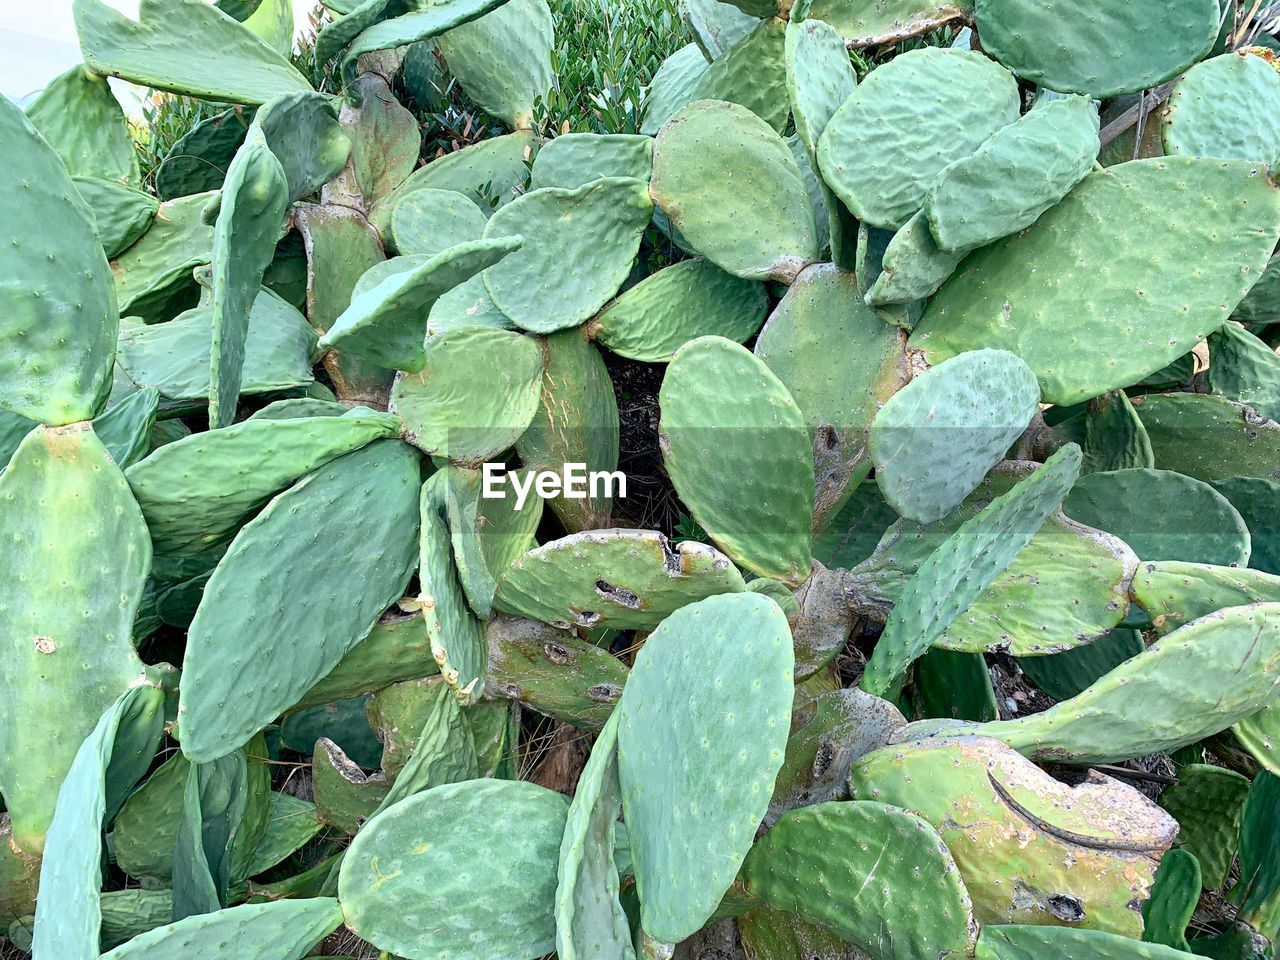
(1148, 102)
(1134, 774)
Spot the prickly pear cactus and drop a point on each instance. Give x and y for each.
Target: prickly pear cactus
(820, 507)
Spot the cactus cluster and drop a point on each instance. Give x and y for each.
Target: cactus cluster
(964, 318)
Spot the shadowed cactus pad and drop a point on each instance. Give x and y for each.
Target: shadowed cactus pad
(726, 417)
(1000, 300)
(905, 122)
(755, 223)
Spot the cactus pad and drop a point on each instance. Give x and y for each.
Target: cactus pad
(701, 736)
(868, 23)
(752, 73)
(503, 59)
(858, 857)
(737, 449)
(667, 309)
(1060, 943)
(475, 395)
(422, 854)
(1244, 369)
(1209, 438)
(69, 515)
(574, 159)
(384, 322)
(1000, 300)
(1030, 848)
(970, 560)
(1207, 802)
(79, 117)
(427, 222)
(626, 579)
(579, 247)
(904, 123)
(936, 438)
(913, 265)
(232, 652)
(672, 86)
(56, 302)
(1226, 107)
(1113, 47)
(276, 930)
(755, 221)
(840, 362)
(155, 51)
(1009, 181)
(1162, 515)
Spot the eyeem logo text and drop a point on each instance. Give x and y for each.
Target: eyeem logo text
(573, 481)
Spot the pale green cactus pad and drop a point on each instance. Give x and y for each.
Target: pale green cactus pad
(122, 213)
(310, 118)
(456, 635)
(859, 856)
(573, 159)
(384, 321)
(267, 565)
(276, 930)
(175, 357)
(254, 199)
(70, 516)
(702, 732)
(626, 579)
(753, 74)
(934, 440)
(725, 418)
(1015, 942)
(156, 269)
(79, 117)
(868, 23)
(576, 422)
(590, 921)
(1162, 515)
(1030, 849)
(579, 247)
(913, 266)
(421, 854)
(1174, 593)
(1114, 47)
(427, 222)
(68, 913)
(970, 560)
(190, 507)
(840, 362)
(905, 122)
(1227, 107)
(155, 50)
(716, 26)
(756, 222)
(1009, 181)
(667, 309)
(1209, 438)
(672, 86)
(503, 59)
(57, 301)
(1192, 683)
(475, 395)
(999, 300)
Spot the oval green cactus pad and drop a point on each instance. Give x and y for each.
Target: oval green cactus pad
(474, 396)
(422, 856)
(905, 122)
(275, 930)
(701, 736)
(858, 857)
(1105, 49)
(936, 438)
(1141, 316)
(1227, 107)
(869, 23)
(737, 449)
(427, 222)
(756, 222)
